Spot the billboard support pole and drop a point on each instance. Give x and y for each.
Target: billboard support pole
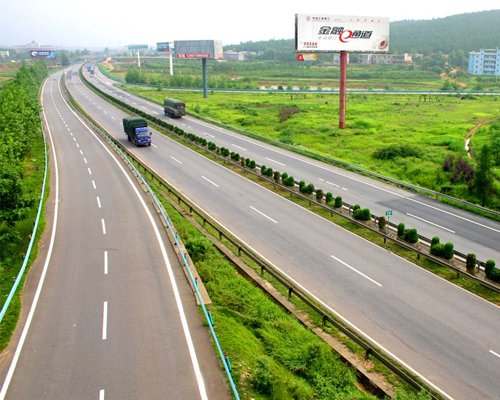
(343, 84)
(171, 65)
(204, 66)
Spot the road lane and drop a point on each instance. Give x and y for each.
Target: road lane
(437, 330)
(121, 334)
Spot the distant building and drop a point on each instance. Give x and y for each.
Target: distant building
(485, 62)
(232, 55)
(26, 48)
(371, 58)
(4, 54)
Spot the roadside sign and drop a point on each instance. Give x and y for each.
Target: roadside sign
(388, 213)
(306, 57)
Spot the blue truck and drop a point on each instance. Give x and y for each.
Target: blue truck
(137, 131)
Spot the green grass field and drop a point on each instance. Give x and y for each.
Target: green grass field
(427, 129)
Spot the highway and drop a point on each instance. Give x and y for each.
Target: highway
(108, 311)
(468, 232)
(438, 331)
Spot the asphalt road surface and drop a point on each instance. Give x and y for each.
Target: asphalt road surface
(115, 317)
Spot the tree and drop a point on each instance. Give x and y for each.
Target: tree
(65, 59)
(483, 181)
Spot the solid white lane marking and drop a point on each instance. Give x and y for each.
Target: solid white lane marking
(105, 321)
(106, 263)
(264, 215)
(208, 180)
(103, 227)
(495, 354)
(175, 159)
(274, 161)
(358, 272)
(429, 222)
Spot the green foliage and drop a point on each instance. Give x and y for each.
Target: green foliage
(288, 181)
(483, 181)
(489, 269)
(438, 249)
(319, 194)
(411, 235)
(448, 251)
(382, 222)
(471, 261)
(277, 176)
(401, 229)
(328, 197)
(338, 202)
(435, 240)
(362, 214)
(393, 151)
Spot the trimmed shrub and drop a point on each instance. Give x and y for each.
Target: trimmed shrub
(437, 250)
(363, 214)
(401, 229)
(309, 189)
(263, 169)
(289, 181)
(382, 223)
(411, 235)
(356, 207)
(448, 251)
(490, 266)
(338, 202)
(495, 275)
(302, 185)
(284, 176)
(277, 176)
(435, 240)
(252, 164)
(319, 194)
(470, 261)
(328, 197)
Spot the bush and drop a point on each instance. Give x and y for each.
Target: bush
(319, 194)
(338, 202)
(284, 176)
(277, 176)
(382, 223)
(263, 169)
(363, 214)
(490, 266)
(309, 189)
(435, 240)
(448, 251)
(302, 185)
(437, 250)
(411, 235)
(252, 164)
(328, 198)
(289, 181)
(401, 229)
(470, 261)
(356, 207)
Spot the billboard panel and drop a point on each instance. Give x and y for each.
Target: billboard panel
(198, 49)
(333, 33)
(137, 47)
(164, 47)
(37, 54)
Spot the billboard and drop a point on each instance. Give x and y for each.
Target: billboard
(137, 47)
(38, 54)
(164, 47)
(333, 33)
(198, 49)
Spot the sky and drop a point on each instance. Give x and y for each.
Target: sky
(115, 24)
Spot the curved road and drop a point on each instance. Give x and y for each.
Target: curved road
(440, 332)
(115, 317)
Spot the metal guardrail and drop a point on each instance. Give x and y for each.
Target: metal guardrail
(127, 156)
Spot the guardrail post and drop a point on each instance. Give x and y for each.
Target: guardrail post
(262, 270)
(324, 320)
(228, 362)
(367, 353)
(290, 291)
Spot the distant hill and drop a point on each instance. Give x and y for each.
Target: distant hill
(466, 32)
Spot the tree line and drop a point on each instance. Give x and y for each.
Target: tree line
(19, 126)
